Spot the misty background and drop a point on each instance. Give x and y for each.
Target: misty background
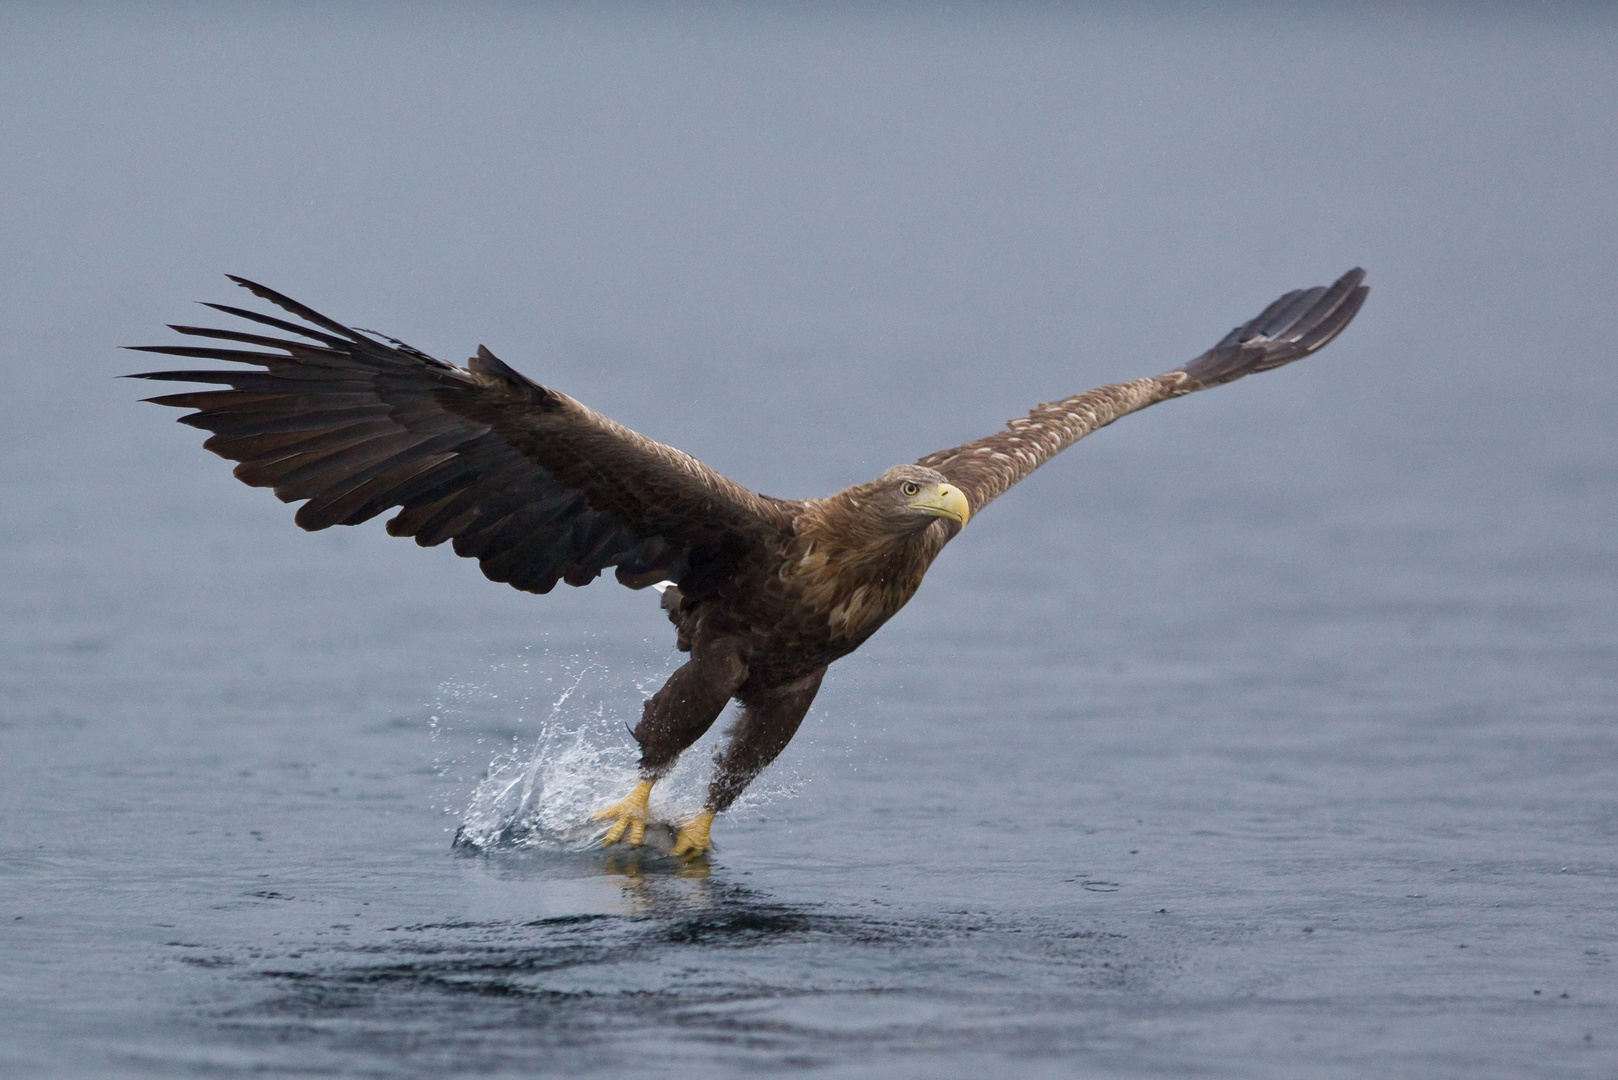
(1368, 601)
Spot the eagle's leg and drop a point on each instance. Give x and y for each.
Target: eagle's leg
(768, 721)
(675, 717)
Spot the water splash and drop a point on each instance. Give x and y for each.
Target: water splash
(542, 791)
(545, 793)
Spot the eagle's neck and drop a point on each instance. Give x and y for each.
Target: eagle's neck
(854, 571)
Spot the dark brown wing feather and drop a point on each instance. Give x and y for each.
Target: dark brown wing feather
(535, 486)
(1296, 325)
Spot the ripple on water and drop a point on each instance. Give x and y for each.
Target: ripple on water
(705, 966)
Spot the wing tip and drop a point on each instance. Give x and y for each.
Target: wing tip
(1295, 325)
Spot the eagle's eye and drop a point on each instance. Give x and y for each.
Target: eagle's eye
(910, 487)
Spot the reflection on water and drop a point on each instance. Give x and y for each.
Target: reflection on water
(695, 964)
(642, 871)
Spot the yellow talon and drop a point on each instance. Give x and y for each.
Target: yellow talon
(693, 838)
(630, 812)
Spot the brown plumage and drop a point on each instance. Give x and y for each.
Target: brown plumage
(539, 489)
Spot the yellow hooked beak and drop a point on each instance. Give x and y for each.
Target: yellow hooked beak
(942, 500)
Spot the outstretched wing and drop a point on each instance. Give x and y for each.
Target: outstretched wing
(1296, 325)
(534, 485)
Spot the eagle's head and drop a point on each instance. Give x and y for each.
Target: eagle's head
(908, 498)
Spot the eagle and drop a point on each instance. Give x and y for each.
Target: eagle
(764, 593)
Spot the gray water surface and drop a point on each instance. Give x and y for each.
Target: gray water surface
(1267, 733)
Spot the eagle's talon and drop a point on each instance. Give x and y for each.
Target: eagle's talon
(693, 839)
(630, 813)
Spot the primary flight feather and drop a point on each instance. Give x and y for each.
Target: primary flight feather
(540, 488)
